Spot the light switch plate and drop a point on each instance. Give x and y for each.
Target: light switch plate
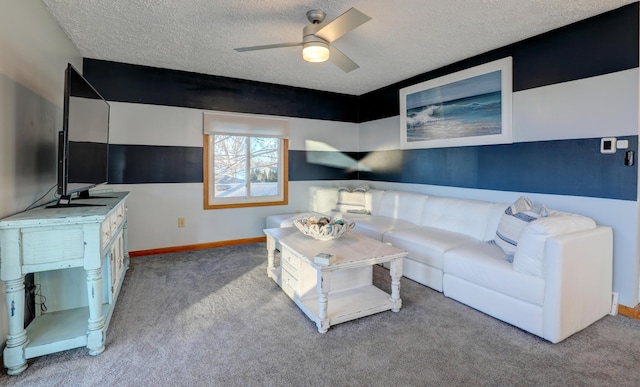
(608, 145)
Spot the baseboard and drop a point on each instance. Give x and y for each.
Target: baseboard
(629, 312)
(178, 249)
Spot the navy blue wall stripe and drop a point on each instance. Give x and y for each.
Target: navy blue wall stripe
(134, 164)
(309, 165)
(567, 167)
(600, 45)
(141, 84)
(140, 164)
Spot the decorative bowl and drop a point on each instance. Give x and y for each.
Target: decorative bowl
(323, 228)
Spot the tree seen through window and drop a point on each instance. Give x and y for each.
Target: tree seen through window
(237, 157)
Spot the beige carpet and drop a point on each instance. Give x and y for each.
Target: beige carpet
(212, 318)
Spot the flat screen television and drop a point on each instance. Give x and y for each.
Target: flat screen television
(83, 143)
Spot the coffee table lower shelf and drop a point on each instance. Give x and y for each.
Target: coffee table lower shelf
(343, 305)
(348, 304)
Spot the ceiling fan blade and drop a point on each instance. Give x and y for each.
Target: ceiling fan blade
(342, 24)
(341, 60)
(268, 46)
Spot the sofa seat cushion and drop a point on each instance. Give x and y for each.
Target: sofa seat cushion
(426, 244)
(375, 226)
(484, 264)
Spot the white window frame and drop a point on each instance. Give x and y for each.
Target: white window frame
(245, 125)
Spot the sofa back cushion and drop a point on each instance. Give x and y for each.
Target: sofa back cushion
(351, 202)
(530, 251)
(474, 218)
(402, 205)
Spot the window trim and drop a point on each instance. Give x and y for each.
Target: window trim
(285, 179)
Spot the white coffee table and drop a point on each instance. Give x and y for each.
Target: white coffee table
(339, 292)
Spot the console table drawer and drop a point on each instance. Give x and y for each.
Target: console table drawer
(46, 245)
(290, 269)
(109, 227)
(117, 218)
(289, 284)
(105, 231)
(290, 260)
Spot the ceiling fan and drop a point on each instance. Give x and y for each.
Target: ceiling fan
(317, 38)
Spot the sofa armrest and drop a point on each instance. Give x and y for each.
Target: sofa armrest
(578, 270)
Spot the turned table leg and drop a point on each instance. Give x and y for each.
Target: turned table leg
(395, 270)
(271, 250)
(323, 286)
(95, 334)
(14, 357)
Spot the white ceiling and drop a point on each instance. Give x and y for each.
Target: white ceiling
(403, 39)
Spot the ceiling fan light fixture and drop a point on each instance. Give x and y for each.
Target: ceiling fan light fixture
(315, 51)
(317, 38)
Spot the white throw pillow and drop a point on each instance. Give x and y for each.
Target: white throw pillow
(361, 188)
(513, 221)
(351, 202)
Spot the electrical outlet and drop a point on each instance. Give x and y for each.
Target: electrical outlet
(180, 222)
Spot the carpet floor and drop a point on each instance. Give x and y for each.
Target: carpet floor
(213, 318)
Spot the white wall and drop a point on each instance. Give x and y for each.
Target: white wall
(34, 53)
(601, 106)
(154, 209)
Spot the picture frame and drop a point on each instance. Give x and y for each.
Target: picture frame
(468, 107)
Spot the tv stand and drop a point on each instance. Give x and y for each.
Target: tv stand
(67, 250)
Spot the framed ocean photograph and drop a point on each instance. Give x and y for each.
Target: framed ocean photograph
(470, 107)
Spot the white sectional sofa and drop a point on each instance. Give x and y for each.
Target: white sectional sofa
(560, 280)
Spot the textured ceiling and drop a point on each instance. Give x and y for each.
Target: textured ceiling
(403, 39)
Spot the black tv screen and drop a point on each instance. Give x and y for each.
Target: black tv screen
(83, 148)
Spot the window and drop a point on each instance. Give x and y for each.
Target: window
(245, 160)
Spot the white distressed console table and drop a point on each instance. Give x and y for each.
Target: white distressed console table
(79, 257)
(339, 292)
